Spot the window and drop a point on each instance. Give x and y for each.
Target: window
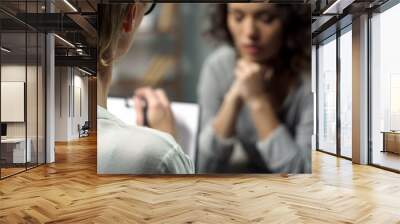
(327, 95)
(385, 88)
(346, 92)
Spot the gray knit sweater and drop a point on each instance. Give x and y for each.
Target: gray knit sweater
(287, 149)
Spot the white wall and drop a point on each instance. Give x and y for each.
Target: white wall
(61, 103)
(81, 82)
(71, 94)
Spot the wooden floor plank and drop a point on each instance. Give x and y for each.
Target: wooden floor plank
(70, 191)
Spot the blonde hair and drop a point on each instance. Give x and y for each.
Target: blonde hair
(110, 18)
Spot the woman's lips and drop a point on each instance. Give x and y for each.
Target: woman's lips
(251, 49)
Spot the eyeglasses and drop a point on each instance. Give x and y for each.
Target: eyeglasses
(149, 8)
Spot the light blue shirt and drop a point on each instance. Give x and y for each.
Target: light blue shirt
(127, 149)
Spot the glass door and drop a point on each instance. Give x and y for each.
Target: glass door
(15, 151)
(22, 76)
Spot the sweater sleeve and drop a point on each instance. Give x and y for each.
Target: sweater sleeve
(214, 152)
(176, 162)
(290, 153)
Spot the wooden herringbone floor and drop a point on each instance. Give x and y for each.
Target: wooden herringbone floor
(69, 191)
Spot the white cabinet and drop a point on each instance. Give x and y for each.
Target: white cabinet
(17, 148)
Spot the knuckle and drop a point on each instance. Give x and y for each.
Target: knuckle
(155, 104)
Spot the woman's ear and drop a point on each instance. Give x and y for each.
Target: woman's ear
(128, 23)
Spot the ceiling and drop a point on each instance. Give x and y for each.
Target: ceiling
(72, 20)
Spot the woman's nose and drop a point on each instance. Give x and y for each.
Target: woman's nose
(250, 29)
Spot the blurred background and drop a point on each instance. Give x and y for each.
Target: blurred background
(168, 52)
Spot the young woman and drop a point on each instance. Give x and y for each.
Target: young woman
(254, 91)
(124, 149)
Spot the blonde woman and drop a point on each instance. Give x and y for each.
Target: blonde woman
(124, 149)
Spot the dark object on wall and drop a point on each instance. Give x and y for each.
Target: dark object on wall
(3, 129)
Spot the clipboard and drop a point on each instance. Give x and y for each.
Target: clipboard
(187, 117)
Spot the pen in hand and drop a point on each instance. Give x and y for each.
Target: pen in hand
(153, 109)
(145, 109)
(141, 107)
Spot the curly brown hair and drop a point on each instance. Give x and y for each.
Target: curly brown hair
(295, 54)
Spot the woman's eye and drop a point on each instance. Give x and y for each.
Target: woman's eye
(266, 18)
(238, 17)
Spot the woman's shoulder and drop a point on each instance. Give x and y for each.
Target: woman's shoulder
(112, 126)
(148, 148)
(218, 68)
(222, 55)
(305, 83)
(303, 94)
(142, 138)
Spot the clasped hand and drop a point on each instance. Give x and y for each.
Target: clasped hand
(250, 80)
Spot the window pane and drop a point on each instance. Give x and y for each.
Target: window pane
(345, 94)
(31, 97)
(15, 150)
(327, 96)
(41, 98)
